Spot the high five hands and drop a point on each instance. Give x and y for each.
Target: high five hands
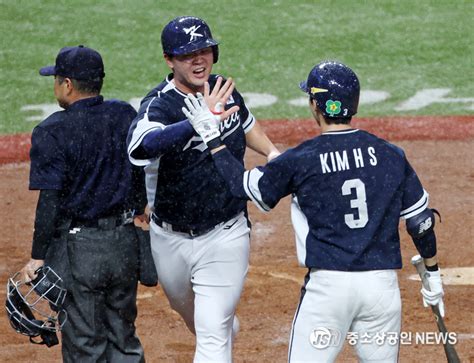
(205, 112)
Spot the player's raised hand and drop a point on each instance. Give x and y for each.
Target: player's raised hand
(218, 97)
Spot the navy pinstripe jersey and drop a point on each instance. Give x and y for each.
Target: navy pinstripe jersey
(350, 189)
(189, 190)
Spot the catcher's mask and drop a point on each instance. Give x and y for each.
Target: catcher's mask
(35, 309)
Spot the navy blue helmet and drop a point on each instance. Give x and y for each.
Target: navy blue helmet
(334, 87)
(187, 34)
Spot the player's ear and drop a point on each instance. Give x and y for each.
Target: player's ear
(168, 60)
(69, 85)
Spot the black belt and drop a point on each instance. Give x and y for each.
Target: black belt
(105, 222)
(173, 228)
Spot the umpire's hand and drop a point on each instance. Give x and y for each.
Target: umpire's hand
(142, 221)
(28, 272)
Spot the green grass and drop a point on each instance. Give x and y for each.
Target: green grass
(399, 47)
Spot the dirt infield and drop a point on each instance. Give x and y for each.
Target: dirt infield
(442, 154)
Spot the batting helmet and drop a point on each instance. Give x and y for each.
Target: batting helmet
(187, 34)
(334, 87)
(35, 309)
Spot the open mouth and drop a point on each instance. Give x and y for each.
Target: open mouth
(199, 71)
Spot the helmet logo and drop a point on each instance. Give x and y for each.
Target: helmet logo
(192, 31)
(333, 107)
(315, 90)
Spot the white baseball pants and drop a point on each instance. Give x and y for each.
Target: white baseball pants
(203, 279)
(366, 304)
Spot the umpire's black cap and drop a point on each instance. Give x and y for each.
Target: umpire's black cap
(80, 63)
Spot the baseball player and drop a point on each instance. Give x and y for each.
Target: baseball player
(349, 188)
(199, 231)
(83, 225)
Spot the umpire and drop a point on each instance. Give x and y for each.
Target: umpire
(84, 217)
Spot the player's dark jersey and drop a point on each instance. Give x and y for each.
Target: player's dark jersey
(350, 189)
(190, 192)
(69, 153)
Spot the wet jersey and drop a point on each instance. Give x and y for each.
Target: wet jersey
(342, 220)
(190, 192)
(81, 152)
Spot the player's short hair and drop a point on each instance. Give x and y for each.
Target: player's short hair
(338, 121)
(87, 86)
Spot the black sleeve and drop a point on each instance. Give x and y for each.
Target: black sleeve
(232, 171)
(421, 229)
(264, 185)
(46, 214)
(163, 140)
(138, 197)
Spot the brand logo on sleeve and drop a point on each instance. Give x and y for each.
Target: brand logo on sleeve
(426, 225)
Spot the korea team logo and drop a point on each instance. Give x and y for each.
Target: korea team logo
(192, 32)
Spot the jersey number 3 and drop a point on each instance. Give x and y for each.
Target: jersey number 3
(359, 202)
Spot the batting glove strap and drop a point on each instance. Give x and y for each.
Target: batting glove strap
(214, 143)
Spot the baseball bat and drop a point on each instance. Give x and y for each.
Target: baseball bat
(449, 350)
